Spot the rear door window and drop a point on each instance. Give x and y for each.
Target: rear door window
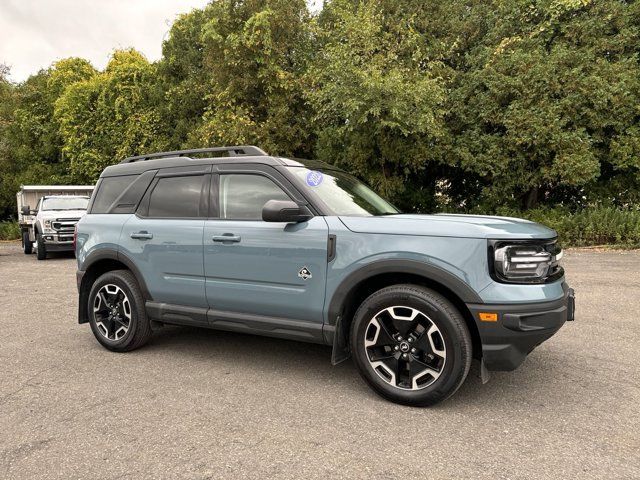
(177, 197)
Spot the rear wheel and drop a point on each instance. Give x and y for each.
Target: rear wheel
(41, 248)
(116, 312)
(411, 345)
(27, 245)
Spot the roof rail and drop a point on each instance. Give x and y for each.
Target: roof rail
(233, 151)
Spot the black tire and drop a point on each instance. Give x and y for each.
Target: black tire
(139, 327)
(437, 311)
(41, 248)
(27, 245)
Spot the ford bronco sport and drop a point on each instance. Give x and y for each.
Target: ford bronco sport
(301, 250)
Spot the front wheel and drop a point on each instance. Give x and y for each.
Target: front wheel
(116, 312)
(41, 248)
(411, 345)
(27, 245)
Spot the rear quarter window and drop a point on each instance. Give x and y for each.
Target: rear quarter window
(109, 190)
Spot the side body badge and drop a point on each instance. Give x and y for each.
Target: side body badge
(304, 273)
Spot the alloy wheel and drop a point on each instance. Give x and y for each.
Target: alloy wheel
(112, 312)
(405, 347)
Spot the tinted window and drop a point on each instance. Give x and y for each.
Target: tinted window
(243, 196)
(110, 189)
(176, 197)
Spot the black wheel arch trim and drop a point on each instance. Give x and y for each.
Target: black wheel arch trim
(336, 330)
(98, 256)
(414, 267)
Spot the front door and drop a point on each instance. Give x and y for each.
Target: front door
(274, 272)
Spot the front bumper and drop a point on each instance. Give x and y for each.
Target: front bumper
(58, 243)
(519, 328)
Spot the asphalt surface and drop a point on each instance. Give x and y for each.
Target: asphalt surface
(206, 404)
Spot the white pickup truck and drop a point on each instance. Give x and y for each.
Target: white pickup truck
(50, 226)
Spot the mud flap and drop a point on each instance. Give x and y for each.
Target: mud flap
(485, 376)
(340, 351)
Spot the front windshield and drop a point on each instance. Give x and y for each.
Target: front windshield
(65, 203)
(344, 194)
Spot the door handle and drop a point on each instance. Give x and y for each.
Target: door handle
(142, 235)
(226, 237)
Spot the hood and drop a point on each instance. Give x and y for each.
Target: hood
(447, 225)
(53, 214)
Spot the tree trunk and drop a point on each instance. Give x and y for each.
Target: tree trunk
(531, 198)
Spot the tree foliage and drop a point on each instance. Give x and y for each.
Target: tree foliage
(110, 115)
(377, 94)
(465, 104)
(255, 53)
(547, 101)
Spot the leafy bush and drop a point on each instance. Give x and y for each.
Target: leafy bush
(9, 231)
(590, 226)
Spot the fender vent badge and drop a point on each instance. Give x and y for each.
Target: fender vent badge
(304, 273)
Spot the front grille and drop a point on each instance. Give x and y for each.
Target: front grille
(64, 225)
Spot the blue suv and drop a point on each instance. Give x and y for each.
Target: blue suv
(231, 238)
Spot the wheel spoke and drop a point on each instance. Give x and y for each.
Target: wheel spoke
(385, 337)
(402, 318)
(421, 369)
(103, 300)
(120, 322)
(390, 367)
(381, 336)
(434, 349)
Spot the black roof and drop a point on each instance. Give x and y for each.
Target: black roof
(180, 158)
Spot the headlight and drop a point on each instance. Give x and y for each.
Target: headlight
(48, 227)
(527, 262)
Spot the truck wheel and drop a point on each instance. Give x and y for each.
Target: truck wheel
(41, 248)
(411, 345)
(27, 244)
(116, 312)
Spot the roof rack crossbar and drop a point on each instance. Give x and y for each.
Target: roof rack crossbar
(233, 151)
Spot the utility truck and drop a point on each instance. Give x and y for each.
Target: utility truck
(49, 227)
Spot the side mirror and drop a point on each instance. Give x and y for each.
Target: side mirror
(26, 210)
(285, 211)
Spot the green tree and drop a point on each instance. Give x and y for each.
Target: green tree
(545, 105)
(110, 116)
(378, 93)
(7, 170)
(184, 78)
(255, 53)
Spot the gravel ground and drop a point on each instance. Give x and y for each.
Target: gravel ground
(206, 404)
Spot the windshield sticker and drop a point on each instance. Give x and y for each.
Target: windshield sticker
(314, 178)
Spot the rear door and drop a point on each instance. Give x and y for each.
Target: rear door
(271, 271)
(164, 237)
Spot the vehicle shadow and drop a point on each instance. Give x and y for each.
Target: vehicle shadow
(300, 360)
(59, 256)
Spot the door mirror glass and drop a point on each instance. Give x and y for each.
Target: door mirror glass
(26, 210)
(285, 211)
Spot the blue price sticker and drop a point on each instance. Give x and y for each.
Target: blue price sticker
(314, 178)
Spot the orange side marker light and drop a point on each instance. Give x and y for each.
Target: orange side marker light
(488, 317)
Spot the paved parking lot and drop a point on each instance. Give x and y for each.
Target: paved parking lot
(206, 404)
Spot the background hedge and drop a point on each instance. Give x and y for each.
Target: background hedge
(528, 106)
